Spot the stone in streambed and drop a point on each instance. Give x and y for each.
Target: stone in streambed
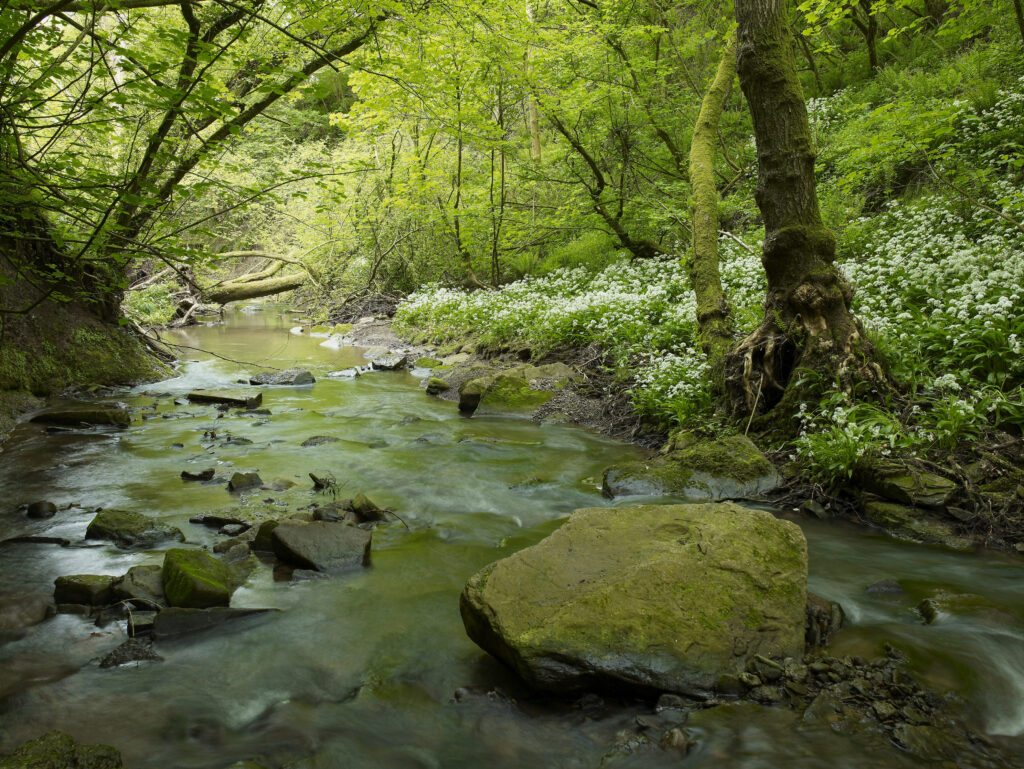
(143, 586)
(202, 475)
(436, 386)
(57, 750)
(215, 521)
(85, 589)
(322, 545)
(84, 414)
(319, 440)
(292, 376)
(176, 622)
(19, 611)
(366, 509)
(665, 597)
(41, 510)
(389, 362)
(524, 386)
(726, 468)
(244, 482)
(227, 398)
(195, 579)
(132, 650)
(427, 363)
(128, 529)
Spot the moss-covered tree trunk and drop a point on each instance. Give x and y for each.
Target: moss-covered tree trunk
(714, 321)
(807, 320)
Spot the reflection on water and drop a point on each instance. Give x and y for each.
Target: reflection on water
(359, 671)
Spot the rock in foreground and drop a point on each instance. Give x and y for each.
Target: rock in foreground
(667, 597)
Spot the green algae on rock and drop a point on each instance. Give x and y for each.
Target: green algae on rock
(663, 597)
(87, 589)
(57, 750)
(196, 580)
(525, 386)
(709, 470)
(128, 529)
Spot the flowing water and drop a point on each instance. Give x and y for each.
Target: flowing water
(359, 670)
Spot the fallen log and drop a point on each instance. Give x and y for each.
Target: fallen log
(238, 291)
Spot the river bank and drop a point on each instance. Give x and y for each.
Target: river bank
(969, 501)
(374, 665)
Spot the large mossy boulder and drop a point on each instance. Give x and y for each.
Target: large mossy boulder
(524, 386)
(707, 470)
(130, 530)
(57, 750)
(194, 579)
(656, 597)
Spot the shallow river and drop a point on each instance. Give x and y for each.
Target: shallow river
(360, 670)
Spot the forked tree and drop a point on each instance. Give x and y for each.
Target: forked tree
(808, 324)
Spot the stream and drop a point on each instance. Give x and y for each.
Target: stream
(360, 670)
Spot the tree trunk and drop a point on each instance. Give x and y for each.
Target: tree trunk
(714, 321)
(1020, 17)
(236, 292)
(869, 29)
(807, 321)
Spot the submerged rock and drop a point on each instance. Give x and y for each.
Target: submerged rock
(87, 589)
(726, 468)
(292, 376)
(84, 414)
(322, 545)
(666, 597)
(366, 509)
(319, 440)
(132, 650)
(56, 750)
(130, 530)
(195, 579)
(176, 622)
(41, 510)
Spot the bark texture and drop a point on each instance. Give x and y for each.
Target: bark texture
(253, 289)
(807, 322)
(714, 320)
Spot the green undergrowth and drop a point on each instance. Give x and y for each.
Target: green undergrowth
(921, 174)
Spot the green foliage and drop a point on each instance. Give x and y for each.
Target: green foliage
(151, 306)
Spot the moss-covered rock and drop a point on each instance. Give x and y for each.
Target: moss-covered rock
(904, 484)
(130, 530)
(524, 386)
(913, 524)
(343, 328)
(427, 363)
(88, 589)
(84, 414)
(56, 750)
(195, 579)
(726, 468)
(436, 385)
(664, 597)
